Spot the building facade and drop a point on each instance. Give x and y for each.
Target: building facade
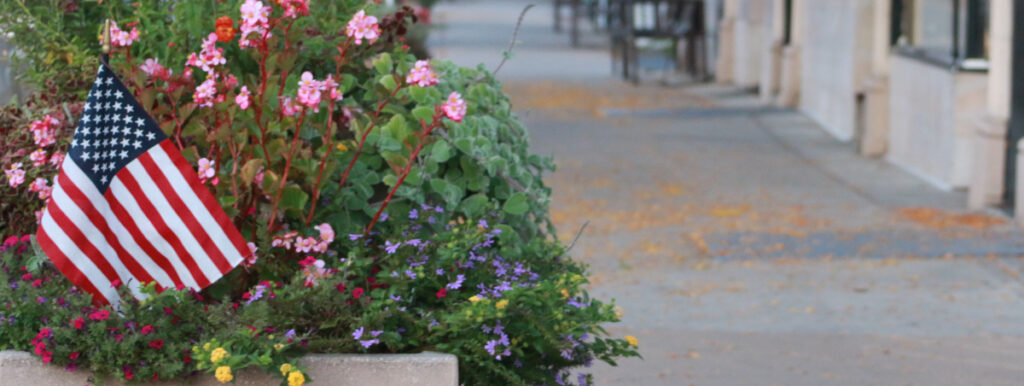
(927, 84)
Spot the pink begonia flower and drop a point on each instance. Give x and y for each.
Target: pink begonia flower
(258, 178)
(254, 21)
(454, 108)
(314, 270)
(309, 90)
(121, 38)
(289, 107)
(295, 8)
(230, 81)
(57, 158)
(152, 66)
(284, 240)
(41, 186)
(205, 93)
(209, 57)
(42, 131)
(422, 75)
(15, 176)
(249, 261)
(38, 157)
(326, 232)
(363, 27)
(206, 169)
(303, 245)
(242, 99)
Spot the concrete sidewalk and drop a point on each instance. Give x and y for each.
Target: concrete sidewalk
(745, 245)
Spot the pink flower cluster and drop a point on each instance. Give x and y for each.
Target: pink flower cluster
(42, 131)
(306, 244)
(454, 108)
(422, 75)
(255, 19)
(122, 38)
(206, 93)
(15, 174)
(207, 171)
(310, 93)
(313, 269)
(41, 186)
(363, 27)
(242, 99)
(295, 8)
(153, 68)
(211, 56)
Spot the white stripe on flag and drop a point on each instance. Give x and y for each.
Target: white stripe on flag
(170, 216)
(93, 234)
(125, 238)
(206, 219)
(123, 196)
(78, 258)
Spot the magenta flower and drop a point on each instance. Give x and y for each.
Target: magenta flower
(363, 27)
(295, 8)
(56, 158)
(15, 175)
(242, 99)
(454, 108)
(41, 186)
(422, 75)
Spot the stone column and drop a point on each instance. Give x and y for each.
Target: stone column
(772, 57)
(987, 179)
(789, 62)
(875, 135)
(727, 43)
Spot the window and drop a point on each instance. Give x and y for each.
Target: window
(947, 32)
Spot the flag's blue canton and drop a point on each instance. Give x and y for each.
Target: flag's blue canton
(113, 130)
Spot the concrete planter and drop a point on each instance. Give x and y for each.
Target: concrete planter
(426, 369)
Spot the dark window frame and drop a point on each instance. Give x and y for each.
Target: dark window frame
(967, 51)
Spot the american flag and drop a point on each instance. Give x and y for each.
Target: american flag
(127, 207)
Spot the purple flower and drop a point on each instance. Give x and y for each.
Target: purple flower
(410, 274)
(567, 354)
(358, 333)
(368, 343)
(431, 220)
(395, 298)
(433, 322)
(457, 284)
(40, 300)
(518, 363)
(384, 217)
(290, 333)
(574, 303)
(354, 236)
(376, 333)
(558, 379)
(439, 271)
(486, 329)
(582, 379)
(491, 344)
(391, 247)
(413, 214)
(482, 223)
(414, 242)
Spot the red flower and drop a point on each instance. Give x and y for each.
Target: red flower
(156, 377)
(73, 355)
(308, 261)
(78, 323)
(37, 283)
(225, 30)
(26, 277)
(146, 329)
(157, 344)
(187, 359)
(168, 310)
(442, 293)
(116, 283)
(100, 315)
(358, 292)
(128, 374)
(341, 287)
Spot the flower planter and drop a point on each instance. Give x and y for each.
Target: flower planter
(20, 368)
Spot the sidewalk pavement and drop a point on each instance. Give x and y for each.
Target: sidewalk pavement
(745, 245)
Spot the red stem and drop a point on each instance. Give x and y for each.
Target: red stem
(323, 161)
(284, 175)
(362, 140)
(408, 168)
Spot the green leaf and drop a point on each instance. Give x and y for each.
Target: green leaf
(383, 64)
(418, 94)
(388, 82)
(293, 197)
(440, 152)
(474, 206)
(423, 113)
(517, 204)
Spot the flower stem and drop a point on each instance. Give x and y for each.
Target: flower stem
(284, 175)
(362, 140)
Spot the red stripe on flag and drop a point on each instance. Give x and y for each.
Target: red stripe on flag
(186, 215)
(141, 240)
(65, 266)
(100, 222)
(208, 200)
(161, 226)
(83, 243)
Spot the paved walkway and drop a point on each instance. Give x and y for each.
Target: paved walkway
(745, 245)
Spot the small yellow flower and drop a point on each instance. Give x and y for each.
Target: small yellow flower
(632, 341)
(565, 293)
(474, 299)
(501, 304)
(224, 374)
(206, 347)
(286, 368)
(342, 147)
(279, 346)
(218, 354)
(618, 315)
(296, 378)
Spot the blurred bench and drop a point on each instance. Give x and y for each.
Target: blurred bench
(591, 10)
(681, 21)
